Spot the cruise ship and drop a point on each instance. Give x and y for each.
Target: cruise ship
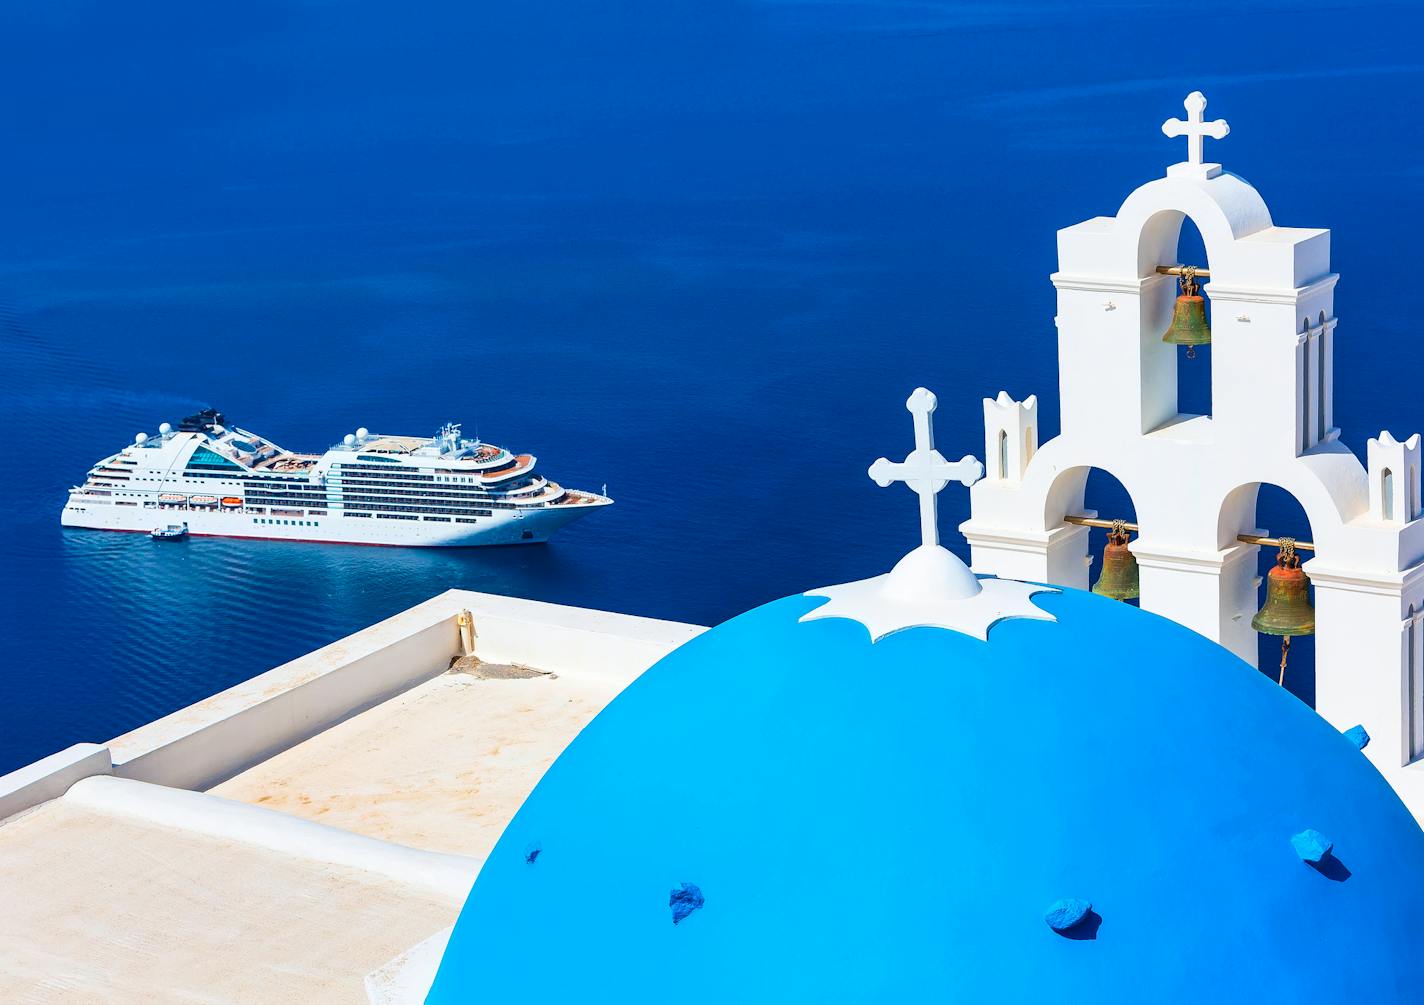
(209, 478)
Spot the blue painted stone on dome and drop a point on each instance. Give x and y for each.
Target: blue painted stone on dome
(1358, 736)
(1312, 846)
(888, 822)
(1066, 913)
(684, 900)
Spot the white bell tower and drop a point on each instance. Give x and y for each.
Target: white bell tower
(1193, 479)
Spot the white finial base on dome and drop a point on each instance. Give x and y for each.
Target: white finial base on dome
(930, 588)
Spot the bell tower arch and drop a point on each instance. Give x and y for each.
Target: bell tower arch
(1193, 477)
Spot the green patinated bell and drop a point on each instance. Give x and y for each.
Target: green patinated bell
(1189, 326)
(1287, 610)
(1119, 578)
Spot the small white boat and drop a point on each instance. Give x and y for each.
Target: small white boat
(173, 532)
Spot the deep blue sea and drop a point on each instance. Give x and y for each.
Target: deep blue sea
(699, 251)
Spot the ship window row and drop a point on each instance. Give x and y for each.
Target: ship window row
(366, 483)
(421, 506)
(457, 479)
(383, 471)
(351, 472)
(394, 516)
(349, 508)
(397, 477)
(417, 497)
(441, 492)
(290, 523)
(256, 477)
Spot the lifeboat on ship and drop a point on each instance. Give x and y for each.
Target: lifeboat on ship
(203, 500)
(172, 497)
(231, 501)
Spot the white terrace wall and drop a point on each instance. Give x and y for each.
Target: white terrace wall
(208, 742)
(214, 739)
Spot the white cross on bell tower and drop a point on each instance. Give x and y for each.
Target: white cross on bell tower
(1195, 130)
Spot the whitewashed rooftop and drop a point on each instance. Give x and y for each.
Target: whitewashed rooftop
(290, 838)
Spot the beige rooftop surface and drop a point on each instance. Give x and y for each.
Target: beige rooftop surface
(300, 836)
(106, 908)
(442, 767)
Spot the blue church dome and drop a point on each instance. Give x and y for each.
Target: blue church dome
(1100, 807)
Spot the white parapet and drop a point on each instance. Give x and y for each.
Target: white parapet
(449, 876)
(50, 777)
(1394, 478)
(214, 739)
(1010, 436)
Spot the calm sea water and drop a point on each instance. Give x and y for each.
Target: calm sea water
(697, 251)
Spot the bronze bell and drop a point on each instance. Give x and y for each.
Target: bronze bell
(1189, 325)
(1119, 576)
(1287, 611)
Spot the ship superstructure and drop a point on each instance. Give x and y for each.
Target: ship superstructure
(222, 480)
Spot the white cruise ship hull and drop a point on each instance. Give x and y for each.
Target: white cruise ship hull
(221, 481)
(532, 527)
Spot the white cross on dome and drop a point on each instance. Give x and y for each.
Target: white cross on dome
(930, 587)
(925, 470)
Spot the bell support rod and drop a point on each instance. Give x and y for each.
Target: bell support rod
(1181, 270)
(1273, 542)
(1270, 542)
